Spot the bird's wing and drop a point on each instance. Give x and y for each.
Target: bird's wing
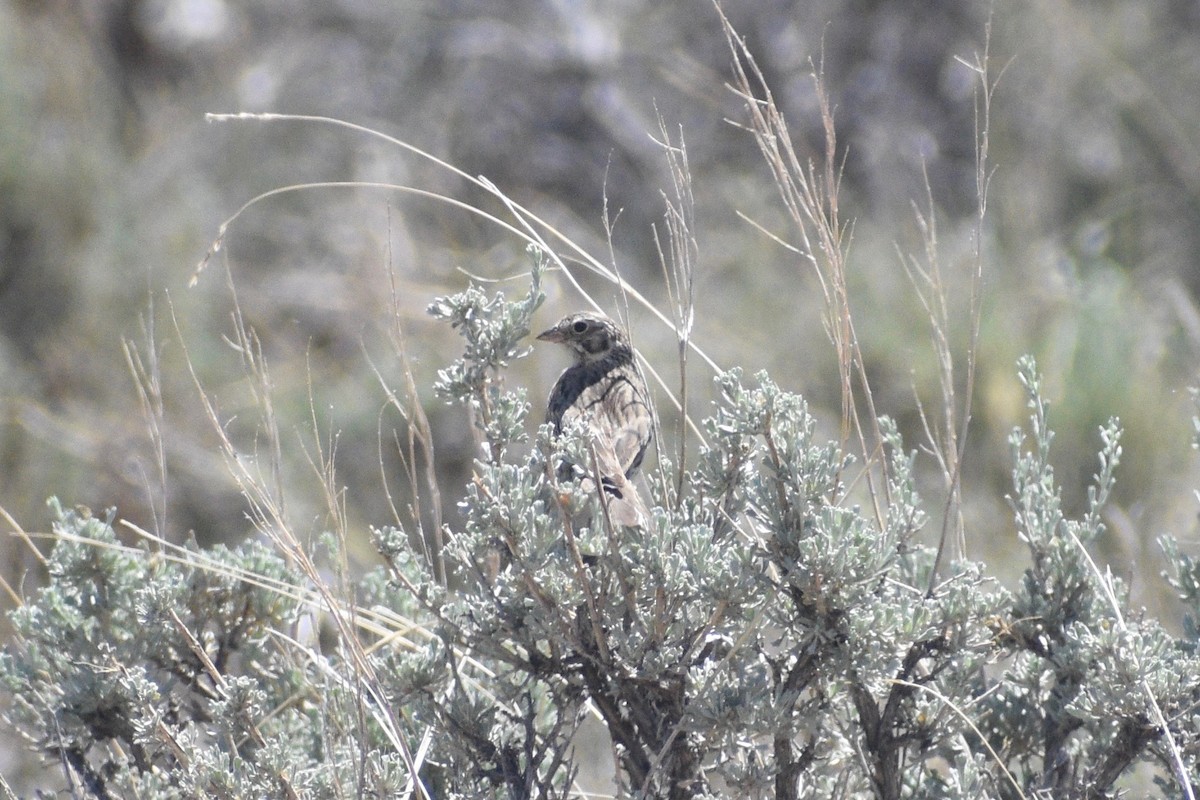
(620, 496)
(618, 413)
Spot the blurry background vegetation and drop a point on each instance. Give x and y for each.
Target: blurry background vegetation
(112, 187)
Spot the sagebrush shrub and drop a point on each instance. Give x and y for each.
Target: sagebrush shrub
(768, 633)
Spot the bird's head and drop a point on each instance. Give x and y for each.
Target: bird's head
(590, 336)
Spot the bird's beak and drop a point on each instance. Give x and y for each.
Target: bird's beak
(552, 335)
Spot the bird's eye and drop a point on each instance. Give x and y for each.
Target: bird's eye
(580, 326)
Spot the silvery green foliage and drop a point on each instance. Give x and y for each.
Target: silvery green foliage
(850, 662)
(774, 632)
(106, 679)
(494, 333)
(1071, 711)
(105, 676)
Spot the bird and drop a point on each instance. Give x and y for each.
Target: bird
(605, 388)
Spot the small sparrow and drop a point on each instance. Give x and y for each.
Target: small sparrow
(604, 387)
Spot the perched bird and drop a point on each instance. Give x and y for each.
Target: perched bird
(604, 387)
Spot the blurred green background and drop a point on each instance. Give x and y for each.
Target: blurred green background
(112, 188)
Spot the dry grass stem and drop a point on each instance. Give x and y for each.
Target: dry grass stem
(810, 196)
(679, 272)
